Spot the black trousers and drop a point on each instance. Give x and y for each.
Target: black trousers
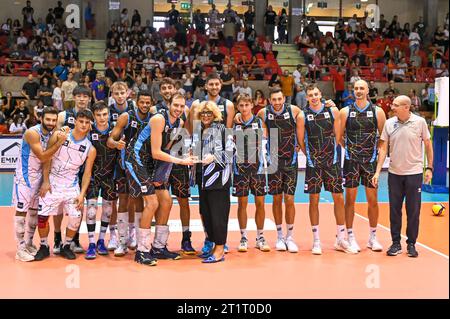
(401, 187)
(215, 210)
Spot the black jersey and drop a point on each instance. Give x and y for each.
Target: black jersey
(248, 156)
(361, 133)
(105, 161)
(114, 112)
(287, 134)
(320, 138)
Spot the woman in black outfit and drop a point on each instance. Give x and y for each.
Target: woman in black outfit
(213, 177)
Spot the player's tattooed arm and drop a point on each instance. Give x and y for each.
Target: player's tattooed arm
(86, 179)
(33, 139)
(115, 139)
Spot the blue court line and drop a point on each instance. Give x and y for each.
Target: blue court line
(6, 186)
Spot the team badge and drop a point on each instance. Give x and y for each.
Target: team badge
(369, 114)
(326, 115)
(71, 120)
(115, 115)
(286, 116)
(95, 137)
(270, 117)
(134, 124)
(255, 126)
(352, 114)
(310, 117)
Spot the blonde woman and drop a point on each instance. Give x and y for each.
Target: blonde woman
(213, 177)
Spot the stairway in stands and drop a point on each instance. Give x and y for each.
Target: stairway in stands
(288, 56)
(93, 50)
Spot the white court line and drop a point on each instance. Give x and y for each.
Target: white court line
(404, 237)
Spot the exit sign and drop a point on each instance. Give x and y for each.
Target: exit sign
(185, 6)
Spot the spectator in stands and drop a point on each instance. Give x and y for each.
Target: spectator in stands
(173, 15)
(442, 71)
(30, 89)
(21, 110)
(90, 71)
(189, 99)
(216, 58)
(269, 22)
(385, 102)
(373, 92)
(440, 39)
(287, 85)
(259, 101)
(199, 85)
(75, 69)
(59, 12)
(61, 71)
(9, 68)
(415, 101)
(229, 32)
(112, 72)
(199, 22)
(353, 22)
(355, 76)
(282, 26)
(300, 96)
(57, 96)
(45, 93)
(139, 85)
(348, 96)
(392, 88)
(67, 88)
(421, 27)
(249, 17)
(9, 105)
(181, 33)
(274, 81)
(244, 88)
(414, 41)
(314, 67)
(188, 79)
(50, 19)
(136, 18)
(98, 88)
(251, 38)
(339, 29)
(38, 109)
(124, 16)
(18, 126)
(7, 26)
(297, 74)
(415, 60)
(28, 20)
(16, 27)
(227, 83)
(45, 71)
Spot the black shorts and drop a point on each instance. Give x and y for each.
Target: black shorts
(330, 177)
(107, 187)
(256, 183)
(179, 181)
(284, 180)
(356, 173)
(140, 180)
(121, 182)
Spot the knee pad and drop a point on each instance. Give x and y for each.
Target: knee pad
(91, 209)
(42, 221)
(74, 223)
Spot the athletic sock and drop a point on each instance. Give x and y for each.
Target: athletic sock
(112, 230)
(31, 226)
(131, 227)
(315, 231)
(185, 228)
(279, 231)
(259, 233)
(69, 240)
(20, 230)
(103, 228)
(244, 233)
(44, 241)
(350, 233)
(290, 230)
(373, 232)
(340, 232)
(144, 239)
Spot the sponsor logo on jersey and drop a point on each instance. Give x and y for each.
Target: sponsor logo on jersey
(326, 115)
(286, 116)
(71, 120)
(369, 114)
(134, 124)
(255, 126)
(82, 148)
(310, 117)
(95, 137)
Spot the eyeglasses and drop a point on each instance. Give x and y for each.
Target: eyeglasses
(206, 113)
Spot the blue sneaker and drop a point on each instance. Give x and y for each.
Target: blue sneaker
(211, 259)
(226, 249)
(91, 252)
(101, 248)
(186, 247)
(207, 247)
(163, 253)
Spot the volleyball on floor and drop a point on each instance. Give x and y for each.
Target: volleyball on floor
(438, 209)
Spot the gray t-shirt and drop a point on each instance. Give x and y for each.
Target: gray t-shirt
(405, 144)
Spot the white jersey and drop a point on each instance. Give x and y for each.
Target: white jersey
(29, 166)
(67, 162)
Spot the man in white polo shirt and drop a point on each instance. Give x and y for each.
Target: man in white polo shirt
(404, 133)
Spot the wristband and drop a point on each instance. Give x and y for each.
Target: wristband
(430, 168)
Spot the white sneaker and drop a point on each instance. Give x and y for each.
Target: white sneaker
(316, 248)
(262, 244)
(374, 244)
(291, 245)
(132, 241)
(22, 254)
(112, 244)
(121, 251)
(353, 244)
(281, 244)
(345, 246)
(32, 249)
(243, 245)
